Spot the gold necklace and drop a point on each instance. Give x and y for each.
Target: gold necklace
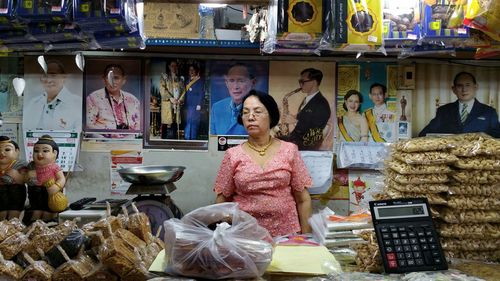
(3, 171)
(263, 150)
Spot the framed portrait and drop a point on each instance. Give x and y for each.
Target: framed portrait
(10, 102)
(367, 102)
(113, 104)
(177, 114)
(52, 98)
(230, 81)
(311, 121)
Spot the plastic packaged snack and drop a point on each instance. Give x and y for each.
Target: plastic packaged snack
(476, 176)
(479, 163)
(470, 244)
(470, 230)
(117, 256)
(433, 198)
(474, 144)
(71, 244)
(488, 271)
(368, 256)
(138, 224)
(469, 216)
(485, 256)
(37, 270)
(13, 245)
(416, 179)
(473, 202)
(425, 158)
(9, 270)
(485, 16)
(72, 269)
(423, 144)
(218, 241)
(407, 169)
(417, 188)
(491, 190)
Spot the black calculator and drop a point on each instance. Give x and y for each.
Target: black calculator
(406, 235)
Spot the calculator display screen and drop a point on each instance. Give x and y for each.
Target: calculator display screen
(391, 212)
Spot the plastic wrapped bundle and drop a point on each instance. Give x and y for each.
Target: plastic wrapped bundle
(218, 241)
(9, 270)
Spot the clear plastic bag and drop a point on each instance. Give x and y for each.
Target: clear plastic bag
(478, 163)
(485, 16)
(425, 158)
(469, 216)
(423, 144)
(492, 190)
(416, 179)
(470, 244)
(476, 176)
(407, 169)
(417, 188)
(470, 230)
(434, 199)
(241, 249)
(474, 144)
(473, 202)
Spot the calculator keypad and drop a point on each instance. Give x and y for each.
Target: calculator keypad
(409, 247)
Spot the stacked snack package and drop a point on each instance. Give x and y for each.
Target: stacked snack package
(471, 227)
(460, 177)
(419, 168)
(333, 230)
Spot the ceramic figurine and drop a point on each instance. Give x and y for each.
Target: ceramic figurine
(45, 181)
(12, 171)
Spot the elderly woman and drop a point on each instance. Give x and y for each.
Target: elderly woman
(266, 176)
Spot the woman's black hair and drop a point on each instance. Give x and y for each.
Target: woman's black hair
(47, 139)
(6, 139)
(268, 102)
(352, 93)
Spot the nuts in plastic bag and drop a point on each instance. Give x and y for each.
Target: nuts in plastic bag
(474, 144)
(425, 158)
(433, 198)
(476, 176)
(417, 188)
(407, 169)
(416, 179)
(423, 144)
(469, 216)
(491, 190)
(470, 244)
(478, 163)
(218, 241)
(470, 230)
(473, 202)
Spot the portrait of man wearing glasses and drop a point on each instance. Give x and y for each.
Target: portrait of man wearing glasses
(466, 114)
(381, 121)
(239, 79)
(313, 114)
(56, 108)
(111, 108)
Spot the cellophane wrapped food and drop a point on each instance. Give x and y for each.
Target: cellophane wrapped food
(470, 230)
(217, 242)
(9, 270)
(490, 190)
(417, 188)
(423, 144)
(425, 158)
(410, 169)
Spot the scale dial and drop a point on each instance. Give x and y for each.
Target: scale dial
(157, 212)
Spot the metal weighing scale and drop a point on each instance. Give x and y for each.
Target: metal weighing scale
(153, 186)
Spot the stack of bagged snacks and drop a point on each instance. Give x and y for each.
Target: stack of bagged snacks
(471, 227)
(420, 168)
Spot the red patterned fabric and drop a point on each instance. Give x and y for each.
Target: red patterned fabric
(45, 173)
(265, 192)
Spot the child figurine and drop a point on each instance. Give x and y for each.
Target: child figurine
(45, 178)
(12, 188)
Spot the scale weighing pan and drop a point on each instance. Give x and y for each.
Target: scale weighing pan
(151, 175)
